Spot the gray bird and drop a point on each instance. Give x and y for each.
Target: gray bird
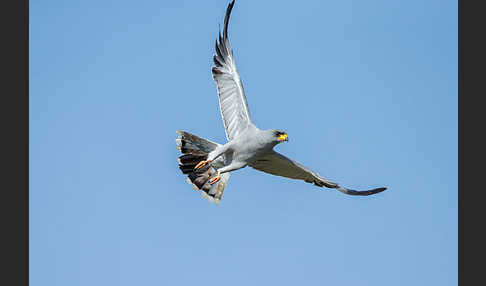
(207, 163)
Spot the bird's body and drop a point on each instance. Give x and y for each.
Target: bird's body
(247, 147)
(209, 164)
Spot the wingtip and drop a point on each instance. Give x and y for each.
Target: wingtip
(379, 190)
(360, 193)
(376, 191)
(226, 19)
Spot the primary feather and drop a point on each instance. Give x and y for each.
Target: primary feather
(232, 99)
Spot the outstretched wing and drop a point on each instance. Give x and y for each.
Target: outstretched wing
(277, 164)
(232, 100)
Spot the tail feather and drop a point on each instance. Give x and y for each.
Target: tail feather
(192, 158)
(195, 150)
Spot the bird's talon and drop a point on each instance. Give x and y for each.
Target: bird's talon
(201, 164)
(215, 179)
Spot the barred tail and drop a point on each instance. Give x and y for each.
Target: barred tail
(196, 149)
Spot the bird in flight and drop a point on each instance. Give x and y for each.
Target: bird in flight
(208, 164)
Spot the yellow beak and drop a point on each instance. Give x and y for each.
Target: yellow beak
(283, 137)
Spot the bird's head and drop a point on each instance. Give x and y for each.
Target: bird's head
(272, 137)
(279, 136)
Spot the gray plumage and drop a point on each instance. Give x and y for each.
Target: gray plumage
(232, 100)
(247, 144)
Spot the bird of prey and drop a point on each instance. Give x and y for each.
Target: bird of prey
(208, 164)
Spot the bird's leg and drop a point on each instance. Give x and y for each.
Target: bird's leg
(202, 164)
(231, 167)
(220, 150)
(216, 179)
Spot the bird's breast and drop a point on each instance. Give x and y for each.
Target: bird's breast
(248, 150)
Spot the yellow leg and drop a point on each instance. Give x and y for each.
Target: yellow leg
(216, 179)
(202, 164)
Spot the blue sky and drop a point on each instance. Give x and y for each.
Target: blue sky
(366, 90)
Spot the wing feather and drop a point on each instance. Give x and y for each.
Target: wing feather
(277, 164)
(232, 99)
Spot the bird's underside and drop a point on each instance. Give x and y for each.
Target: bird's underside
(208, 164)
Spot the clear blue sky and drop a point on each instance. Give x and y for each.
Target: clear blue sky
(366, 90)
